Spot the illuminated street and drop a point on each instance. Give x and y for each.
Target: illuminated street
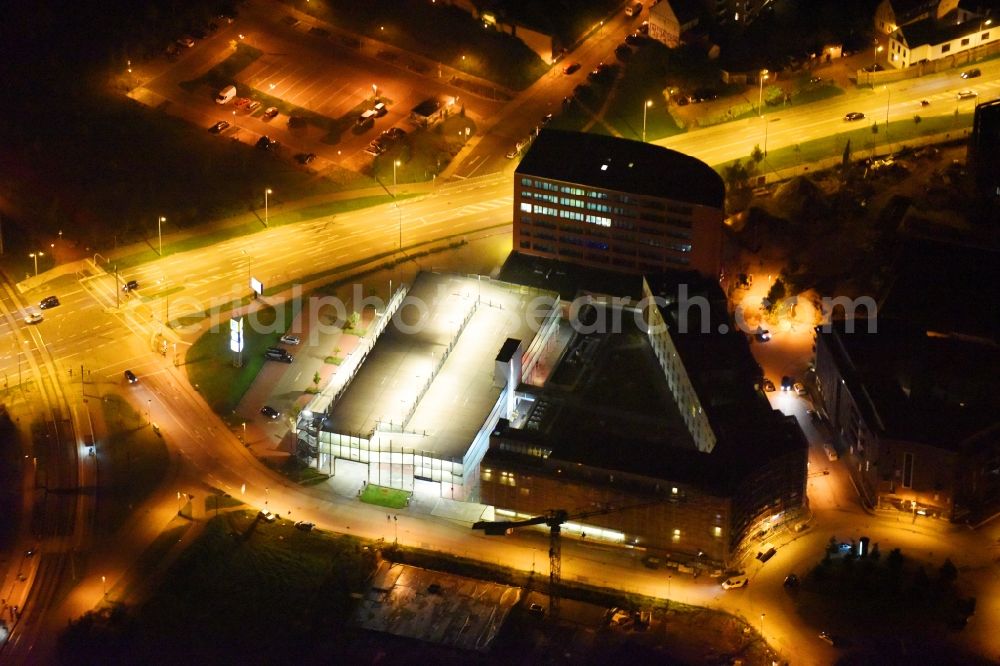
(119, 335)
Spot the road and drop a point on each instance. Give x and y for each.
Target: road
(105, 334)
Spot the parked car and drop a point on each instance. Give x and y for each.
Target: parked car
(32, 317)
(130, 285)
(219, 127)
(130, 377)
(305, 158)
(304, 526)
(971, 73)
(49, 302)
(735, 582)
(267, 516)
(766, 552)
(267, 143)
(634, 39)
(270, 112)
(253, 105)
(827, 638)
(831, 453)
(799, 388)
(380, 109)
(395, 133)
(291, 339)
(967, 94)
(854, 115)
(536, 609)
(768, 385)
(791, 580)
(546, 119)
(570, 68)
(185, 41)
(762, 335)
(270, 412)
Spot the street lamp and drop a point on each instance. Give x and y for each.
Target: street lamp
(645, 106)
(266, 193)
(35, 255)
(760, 93)
(762, 626)
(159, 231)
(878, 49)
(104, 583)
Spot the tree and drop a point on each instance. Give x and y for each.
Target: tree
(948, 573)
(775, 295)
(352, 320)
(757, 154)
(917, 119)
(895, 560)
(316, 379)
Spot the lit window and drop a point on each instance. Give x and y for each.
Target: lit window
(604, 167)
(487, 474)
(717, 531)
(677, 535)
(673, 491)
(525, 207)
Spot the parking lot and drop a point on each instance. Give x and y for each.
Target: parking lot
(302, 67)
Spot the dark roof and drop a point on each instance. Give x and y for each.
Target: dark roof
(613, 410)
(622, 165)
(715, 354)
(506, 352)
(569, 280)
(906, 10)
(932, 31)
(916, 386)
(687, 11)
(947, 288)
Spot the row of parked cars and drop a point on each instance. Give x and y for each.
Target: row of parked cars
(196, 32)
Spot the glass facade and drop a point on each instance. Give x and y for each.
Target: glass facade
(594, 226)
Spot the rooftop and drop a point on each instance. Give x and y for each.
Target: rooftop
(403, 380)
(933, 31)
(622, 165)
(920, 386)
(608, 405)
(946, 287)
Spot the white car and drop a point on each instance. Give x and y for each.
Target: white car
(831, 453)
(32, 317)
(799, 388)
(291, 339)
(966, 94)
(734, 582)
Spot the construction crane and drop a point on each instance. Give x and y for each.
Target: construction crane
(554, 518)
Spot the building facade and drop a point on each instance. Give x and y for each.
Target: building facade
(617, 204)
(911, 419)
(693, 475)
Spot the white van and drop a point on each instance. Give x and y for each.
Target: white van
(225, 95)
(634, 10)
